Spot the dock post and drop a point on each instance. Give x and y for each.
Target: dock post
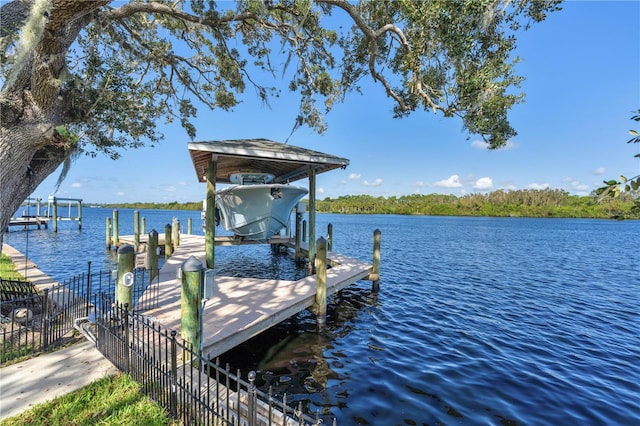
(38, 200)
(330, 237)
(175, 232)
(298, 236)
(79, 214)
(108, 226)
(152, 255)
(168, 246)
(304, 231)
(189, 226)
(374, 276)
(55, 215)
(210, 213)
(312, 218)
(116, 237)
(136, 229)
(143, 225)
(124, 286)
(321, 284)
(191, 295)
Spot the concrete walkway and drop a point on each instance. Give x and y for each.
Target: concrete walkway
(50, 375)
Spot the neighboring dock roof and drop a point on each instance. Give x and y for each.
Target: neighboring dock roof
(287, 163)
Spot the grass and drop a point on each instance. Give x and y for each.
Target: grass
(113, 400)
(8, 269)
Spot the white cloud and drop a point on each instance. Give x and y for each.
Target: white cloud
(452, 182)
(76, 185)
(419, 184)
(538, 186)
(576, 185)
(354, 176)
(320, 191)
(483, 183)
(376, 182)
(120, 193)
(480, 144)
(600, 171)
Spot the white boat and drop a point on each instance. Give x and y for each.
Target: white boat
(254, 208)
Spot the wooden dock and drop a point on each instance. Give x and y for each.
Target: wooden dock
(243, 307)
(26, 221)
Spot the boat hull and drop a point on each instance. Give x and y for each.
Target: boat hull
(257, 212)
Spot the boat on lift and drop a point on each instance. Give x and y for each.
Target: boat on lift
(254, 208)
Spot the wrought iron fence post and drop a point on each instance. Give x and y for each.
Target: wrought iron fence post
(87, 295)
(127, 356)
(174, 376)
(252, 411)
(45, 319)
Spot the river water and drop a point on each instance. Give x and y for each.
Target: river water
(505, 321)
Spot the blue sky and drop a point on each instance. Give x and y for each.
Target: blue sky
(582, 70)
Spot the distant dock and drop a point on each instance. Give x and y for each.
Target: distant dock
(42, 216)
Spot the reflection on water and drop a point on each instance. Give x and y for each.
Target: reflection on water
(500, 321)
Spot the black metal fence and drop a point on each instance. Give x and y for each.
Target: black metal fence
(191, 388)
(32, 320)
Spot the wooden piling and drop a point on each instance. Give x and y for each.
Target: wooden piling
(312, 217)
(79, 214)
(298, 255)
(210, 213)
(143, 225)
(304, 231)
(321, 283)
(136, 229)
(152, 255)
(189, 226)
(175, 232)
(168, 246)
(191, 295)
(116, 237)
(330, 237)
(55, 215)
(108, 233)
(374, 276)
(124, 285)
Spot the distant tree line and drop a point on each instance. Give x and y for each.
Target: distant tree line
(174, 205)
(524, 203)
(500, 203)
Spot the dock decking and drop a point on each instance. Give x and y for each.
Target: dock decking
(243, 307)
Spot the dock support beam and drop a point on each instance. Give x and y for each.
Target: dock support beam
(191, 296)
(312, 218)
(189, 226)
(175, 232)
(79, 214)
(210, 214)
(330, 237)
(298, 235)
(168, 246)
(124, 286)
(108, 233)
(321, 284)
(136, 229)
(55, 215)
(374, 276)
(152, 255)
(116, 237)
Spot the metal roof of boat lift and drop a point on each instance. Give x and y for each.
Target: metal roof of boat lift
(287, 163)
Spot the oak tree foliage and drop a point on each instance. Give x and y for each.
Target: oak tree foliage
(96, 77)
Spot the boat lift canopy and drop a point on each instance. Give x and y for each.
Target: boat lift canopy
(287, 163)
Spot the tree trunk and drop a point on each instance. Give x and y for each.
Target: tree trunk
(29, 152)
